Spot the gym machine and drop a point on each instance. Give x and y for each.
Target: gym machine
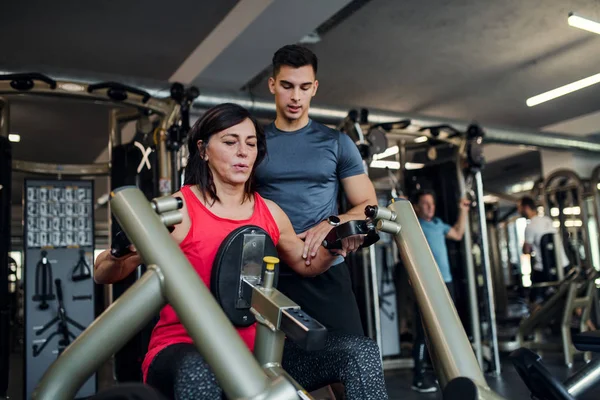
(170, 278)
(544, 386)
(451, 162)
(153, 116)
(5, 213)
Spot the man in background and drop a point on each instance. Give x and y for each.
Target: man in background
(436, 232)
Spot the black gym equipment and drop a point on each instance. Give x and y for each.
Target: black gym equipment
(544, 386)
(333, 240)
(43, 282)
(240, 260)
(178, 132)
(245, 288)
(81, 271)
(62, 319)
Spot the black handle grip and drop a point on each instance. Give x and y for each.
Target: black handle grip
(333, 240)
(120, 245)
(59, 292)
(118, 91)
(25, 82)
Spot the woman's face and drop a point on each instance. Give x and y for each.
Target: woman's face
(232, 152)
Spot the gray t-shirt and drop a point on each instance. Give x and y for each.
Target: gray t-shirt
(303, 169)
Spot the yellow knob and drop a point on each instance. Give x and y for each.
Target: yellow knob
(271, 261)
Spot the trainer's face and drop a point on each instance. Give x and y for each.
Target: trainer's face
(293, 89)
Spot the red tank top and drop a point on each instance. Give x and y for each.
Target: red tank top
(200, 246)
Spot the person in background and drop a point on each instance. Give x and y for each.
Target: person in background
(436, 232)
(537, 227)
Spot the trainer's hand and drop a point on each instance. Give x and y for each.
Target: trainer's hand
(313, 238)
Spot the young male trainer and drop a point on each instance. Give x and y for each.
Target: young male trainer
(306, 165)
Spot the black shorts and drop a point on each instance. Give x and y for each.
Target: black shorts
(328, 298)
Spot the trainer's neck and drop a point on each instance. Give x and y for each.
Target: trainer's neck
(290, 125)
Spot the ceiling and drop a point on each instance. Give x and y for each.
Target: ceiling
(461, 59)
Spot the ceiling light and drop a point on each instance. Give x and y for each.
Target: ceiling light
(14, 137)
(421, 139)
(410, 165)
(563, 90)
(583, 23)
(385, 164)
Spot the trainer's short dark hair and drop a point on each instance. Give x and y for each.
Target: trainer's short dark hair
(295, 56)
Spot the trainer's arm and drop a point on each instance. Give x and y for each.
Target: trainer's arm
(290, 247)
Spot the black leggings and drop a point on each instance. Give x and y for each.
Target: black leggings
(180, 372)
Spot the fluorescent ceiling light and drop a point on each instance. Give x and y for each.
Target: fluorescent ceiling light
(395, 165)
(410, 165)
(390, 151)
(385, 164)
(583, 23)
(563, 90)
(421, 139)
(14, 137)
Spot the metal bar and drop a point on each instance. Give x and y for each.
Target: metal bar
(268, 348)
(265, 108)
(444, 329)
(107, 334)
(485, 253)
(276, 372)
(368, 297)
(74, 89)
(375, 293)
(583, 380)
(500, 293)
(5, 242)
(114, 129)
(234, 366)
(472, 283)
(4, 117)
(558, 255)
(61, 169)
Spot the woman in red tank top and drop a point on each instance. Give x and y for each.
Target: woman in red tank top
(224, 145)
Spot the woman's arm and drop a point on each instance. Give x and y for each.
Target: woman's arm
(290, 247)
(108, 269)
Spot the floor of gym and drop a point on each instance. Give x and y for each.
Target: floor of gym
(398, 382)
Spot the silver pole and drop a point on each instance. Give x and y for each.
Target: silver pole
(487, 271)
(472, 283)
(585, 379)
(368, 297)
(444, 329)
(375, 289)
